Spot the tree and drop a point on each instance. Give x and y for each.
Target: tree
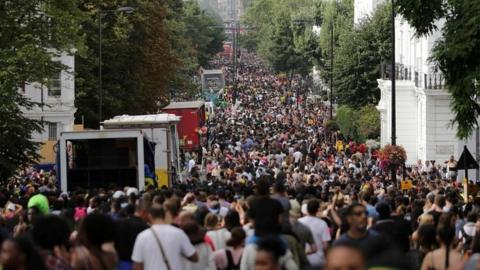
(360, 53)
(456, 53)
(346, 118)
(368, 123)
(273, 34)
(206, 38)
(149, 56)
(32, 34)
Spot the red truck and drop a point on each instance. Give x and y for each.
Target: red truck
(192, 123)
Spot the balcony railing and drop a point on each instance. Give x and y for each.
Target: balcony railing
(430, 81)
(402, 72)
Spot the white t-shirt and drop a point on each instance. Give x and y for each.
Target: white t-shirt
(219, 238)
(320, 234)
(175, 243)
(191, 164)
(297, 156)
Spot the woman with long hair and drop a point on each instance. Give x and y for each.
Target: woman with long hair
(444, 256)
(95, 250)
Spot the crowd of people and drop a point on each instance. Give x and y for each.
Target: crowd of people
(272, 191)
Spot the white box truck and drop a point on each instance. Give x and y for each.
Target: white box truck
(161, 131)
(103, 159)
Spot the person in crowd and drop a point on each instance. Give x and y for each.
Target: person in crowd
(95, 248)
(162, 246)
(20, 254)
(127, 231)
(230, 257)
(51, 233)
(446, 255)
(345, 256)
(269, 254)
(370, 242)
(396, 228)
(216, 232)
(301, 231)
(319, 230)
(204, 251)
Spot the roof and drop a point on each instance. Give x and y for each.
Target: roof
(100, 134)
(142, 119)
(212, 71)
(184, 105)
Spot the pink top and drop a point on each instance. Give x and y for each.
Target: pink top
(220, 257)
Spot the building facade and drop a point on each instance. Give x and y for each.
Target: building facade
(56, 109)
(423, 113)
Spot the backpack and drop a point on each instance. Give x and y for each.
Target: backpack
(231, 265)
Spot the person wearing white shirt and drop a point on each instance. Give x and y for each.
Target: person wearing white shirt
(191, 164)
(297, 157)
(162, 246)
(320, 231)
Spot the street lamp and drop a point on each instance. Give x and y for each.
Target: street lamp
(127, 10)
(394, 123)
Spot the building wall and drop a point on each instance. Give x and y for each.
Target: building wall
(58, 108)
(406, 117)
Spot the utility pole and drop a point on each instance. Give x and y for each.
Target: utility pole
(100, 89)
(234, 62)
(394, 120)
(331, 70)
(394, 123)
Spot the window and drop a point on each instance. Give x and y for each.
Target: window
(55, 86)
(52, 131)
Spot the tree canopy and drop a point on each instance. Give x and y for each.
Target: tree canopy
(149, 56)
(32, 34)
(273, 33)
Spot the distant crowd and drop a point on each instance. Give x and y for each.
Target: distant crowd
(273, 190)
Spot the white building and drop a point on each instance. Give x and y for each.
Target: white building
(364, 8)
(58, 109)
(423, 114)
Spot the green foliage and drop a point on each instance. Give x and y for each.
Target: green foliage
(360, 52)
(457, 53)
(331, 125)
(346, 118)
(422, 14)
(368, 123)
(205, 39)
(358, 124)
(273, 34)
(149, 56)
(32, 34)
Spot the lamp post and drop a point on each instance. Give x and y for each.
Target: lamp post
(392, 76)
(100, 90)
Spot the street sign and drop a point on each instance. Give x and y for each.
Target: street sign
(466, 161)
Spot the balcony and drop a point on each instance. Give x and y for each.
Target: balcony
(430, 81)
(402, 72)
